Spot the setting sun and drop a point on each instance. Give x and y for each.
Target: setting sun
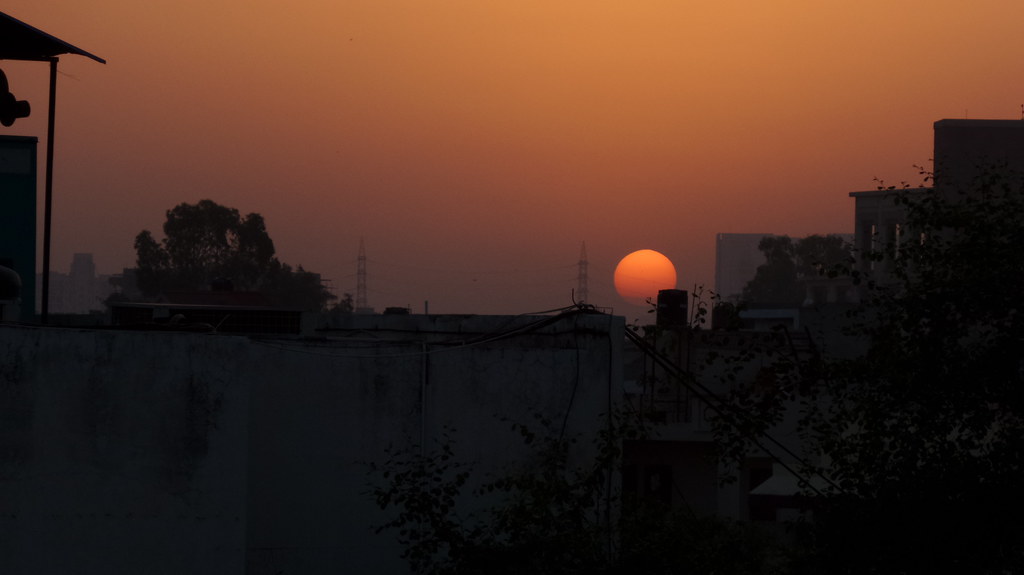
(641, 274)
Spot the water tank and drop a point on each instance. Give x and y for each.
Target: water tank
(673, 308)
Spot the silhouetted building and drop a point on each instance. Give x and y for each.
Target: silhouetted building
(18, 214)
(878, 221)
(80, 290)
(125, 284)
(963, 150)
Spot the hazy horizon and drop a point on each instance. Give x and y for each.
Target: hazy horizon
(475, 146)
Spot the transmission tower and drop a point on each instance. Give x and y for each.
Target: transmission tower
(361, 306)
(582, 294)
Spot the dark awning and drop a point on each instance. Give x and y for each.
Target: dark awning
(19, 41)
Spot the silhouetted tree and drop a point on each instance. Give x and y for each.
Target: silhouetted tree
(922, 436)
(295, 288)
(777, 281)
(775, 284)
(205, 241)
(548, 516)
(726, 315)
(331, 317)
(816, 254)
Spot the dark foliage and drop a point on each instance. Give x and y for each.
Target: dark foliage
(547, 516)
(913, 450)
(777, 281)
(206, 242)
(922, 436)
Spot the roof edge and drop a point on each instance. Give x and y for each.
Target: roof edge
(69, 48)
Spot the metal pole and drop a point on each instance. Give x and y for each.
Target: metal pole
(48, 207)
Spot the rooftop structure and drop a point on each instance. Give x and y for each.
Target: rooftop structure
(20, 41)
(964, 150)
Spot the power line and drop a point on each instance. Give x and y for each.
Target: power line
(729, 413)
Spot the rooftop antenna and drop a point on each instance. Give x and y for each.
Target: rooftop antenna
(581, 276)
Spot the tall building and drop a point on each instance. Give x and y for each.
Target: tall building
(963, 150)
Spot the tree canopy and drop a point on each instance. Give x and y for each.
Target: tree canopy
(922, 435)
(777, 281)
(550, 516)
(927, 428)
(206, 242)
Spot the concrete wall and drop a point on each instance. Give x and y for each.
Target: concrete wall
(187, 453)
(121, 452)
(400, 381)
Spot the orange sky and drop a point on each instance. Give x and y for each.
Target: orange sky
(475, 145)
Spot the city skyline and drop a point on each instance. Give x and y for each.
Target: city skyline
(475, 147)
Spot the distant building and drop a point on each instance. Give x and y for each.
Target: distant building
(80, 290)
(125, 284)
(736, 260)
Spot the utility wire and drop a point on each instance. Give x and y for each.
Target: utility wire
(442, 346)
(728, 412)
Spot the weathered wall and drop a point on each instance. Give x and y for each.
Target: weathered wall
(341, 403)
(186, 453)
(322, 412)
(121, 452)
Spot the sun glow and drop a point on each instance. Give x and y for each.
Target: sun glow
(641, 274)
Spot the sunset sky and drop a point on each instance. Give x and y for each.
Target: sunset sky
(474, 145)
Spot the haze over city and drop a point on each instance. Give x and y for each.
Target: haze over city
(474, 146)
